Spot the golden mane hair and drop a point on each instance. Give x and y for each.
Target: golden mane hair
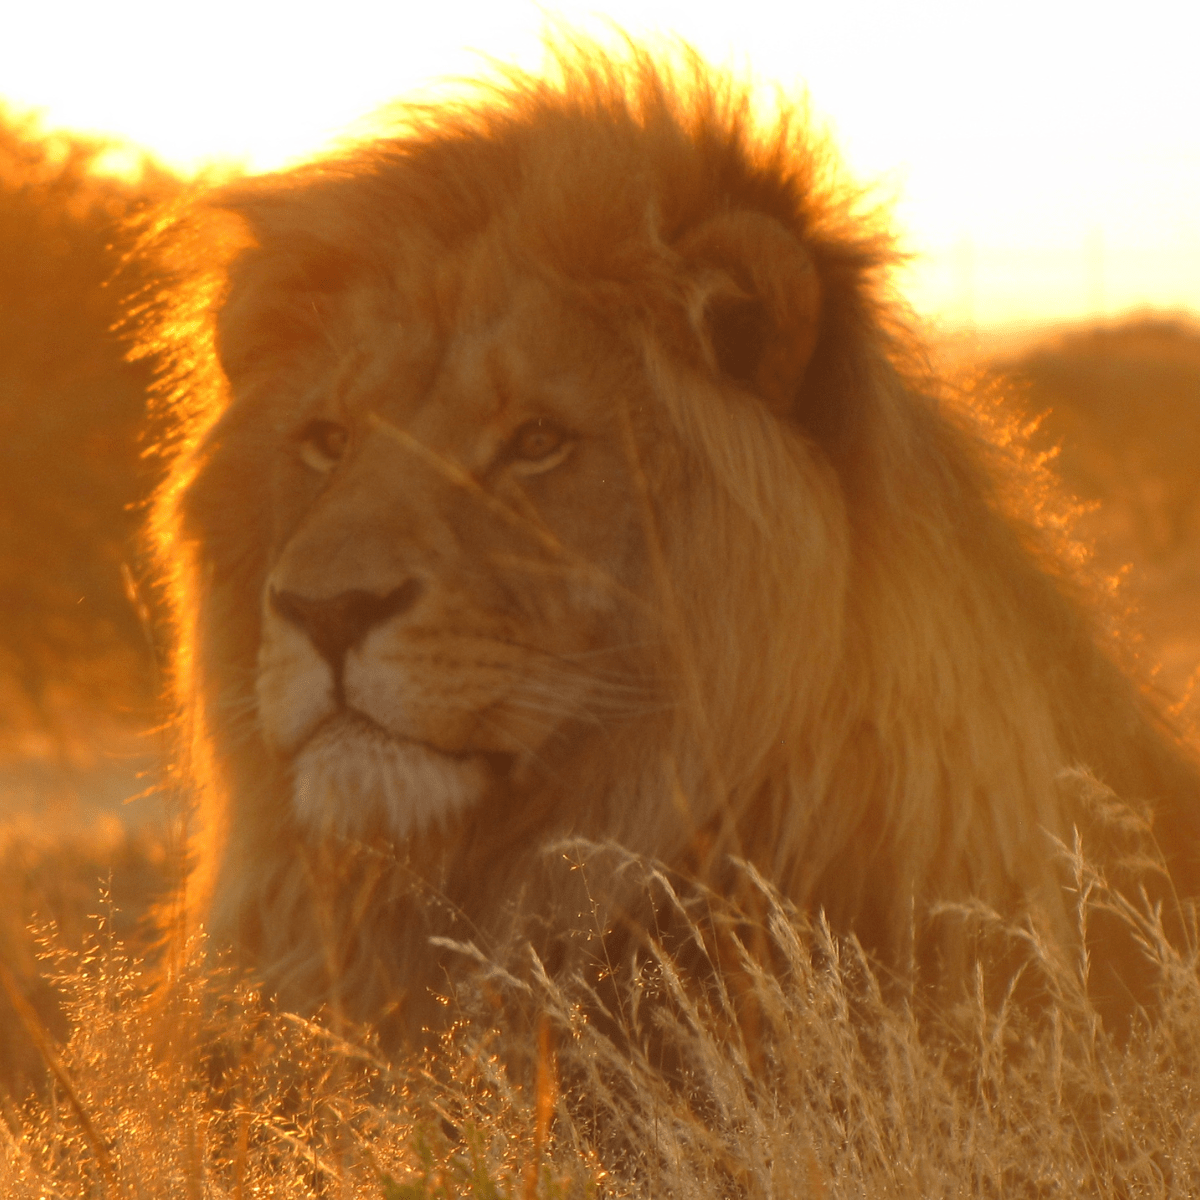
(873, 671)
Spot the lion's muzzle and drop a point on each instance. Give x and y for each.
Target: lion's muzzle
(361, 756)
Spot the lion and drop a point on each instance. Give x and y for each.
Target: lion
(559, 465)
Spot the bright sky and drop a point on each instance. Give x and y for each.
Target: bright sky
(1045, 153)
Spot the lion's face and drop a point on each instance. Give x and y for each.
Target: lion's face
(453, 582)
(470, 555)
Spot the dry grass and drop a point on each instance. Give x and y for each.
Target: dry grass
(741, 1056)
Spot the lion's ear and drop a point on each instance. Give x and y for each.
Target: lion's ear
(762, 322)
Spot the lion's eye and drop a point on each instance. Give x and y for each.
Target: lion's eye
(537, 446)
(322, 443)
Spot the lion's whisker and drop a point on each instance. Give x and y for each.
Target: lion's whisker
(611, 699)
(592, 683)
(531, 753)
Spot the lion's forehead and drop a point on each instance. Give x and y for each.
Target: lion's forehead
(457, 359)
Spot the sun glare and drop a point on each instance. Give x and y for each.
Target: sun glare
(1045, 157)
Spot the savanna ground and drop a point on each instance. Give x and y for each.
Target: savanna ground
(814, 1077)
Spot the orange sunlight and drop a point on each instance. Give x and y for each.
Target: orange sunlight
(1045, 156)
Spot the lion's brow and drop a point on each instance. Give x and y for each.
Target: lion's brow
(460, 477)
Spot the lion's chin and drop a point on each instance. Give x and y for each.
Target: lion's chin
(352, 779)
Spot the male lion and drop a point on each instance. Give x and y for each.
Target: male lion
(553, 468)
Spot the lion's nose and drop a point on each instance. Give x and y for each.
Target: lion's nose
(340, 622)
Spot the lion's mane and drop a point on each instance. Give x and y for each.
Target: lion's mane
(869, 667)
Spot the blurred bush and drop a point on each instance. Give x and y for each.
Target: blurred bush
(1120, 406)
(72, 478)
